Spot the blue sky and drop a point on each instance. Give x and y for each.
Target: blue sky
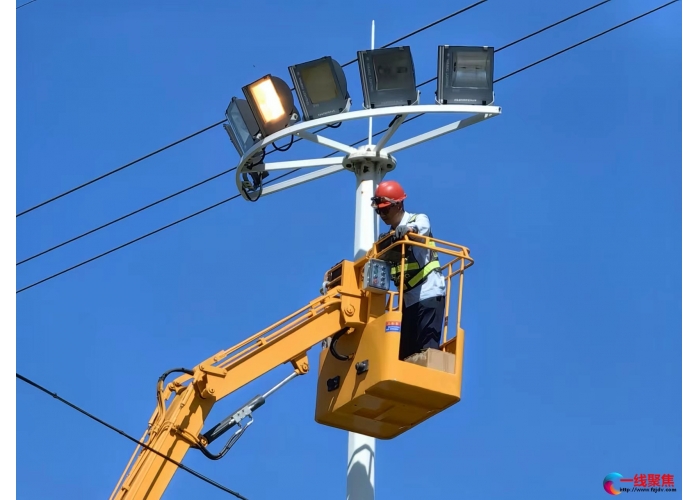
(570, 203)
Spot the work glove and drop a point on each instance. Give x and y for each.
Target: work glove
(401, 231)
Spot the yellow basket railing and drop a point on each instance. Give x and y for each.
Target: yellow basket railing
(461, 260)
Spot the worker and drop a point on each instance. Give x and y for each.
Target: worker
(423, 305)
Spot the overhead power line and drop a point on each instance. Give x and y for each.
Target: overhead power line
(182, 191)
(180, 465)
(31, 1)
(553, 25)
(119, 169)
(378, 133)
(152, 233)
(586, 40)
(427, 26)
(145, 207)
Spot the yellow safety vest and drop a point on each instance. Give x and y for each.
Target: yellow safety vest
(414, 274)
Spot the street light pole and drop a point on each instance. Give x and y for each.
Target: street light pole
(361, 449)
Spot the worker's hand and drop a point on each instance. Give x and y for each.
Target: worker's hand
(402, 231)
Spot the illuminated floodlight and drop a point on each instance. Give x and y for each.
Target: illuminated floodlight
(271, 103)
(465, 75)
(241, 127)
(321, 87)
(388, 77)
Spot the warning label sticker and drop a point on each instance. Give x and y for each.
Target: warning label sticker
(393, 326)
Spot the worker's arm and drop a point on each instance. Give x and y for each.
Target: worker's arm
(420, 226)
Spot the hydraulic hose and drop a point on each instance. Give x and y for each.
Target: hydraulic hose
(334, 339)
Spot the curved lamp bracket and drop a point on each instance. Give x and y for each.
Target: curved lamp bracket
(380, 154)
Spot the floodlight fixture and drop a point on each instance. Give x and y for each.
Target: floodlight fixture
(271, 103)
(241, 127)
(321, 87)
(465, 75)
(388, 77)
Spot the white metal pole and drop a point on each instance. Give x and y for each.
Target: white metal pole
(365, 222)
(361, 449)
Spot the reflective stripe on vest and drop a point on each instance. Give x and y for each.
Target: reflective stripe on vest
(414, 274)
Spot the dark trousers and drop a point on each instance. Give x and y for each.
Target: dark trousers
(421, 326)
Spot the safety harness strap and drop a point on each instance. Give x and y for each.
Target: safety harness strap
(423, 273)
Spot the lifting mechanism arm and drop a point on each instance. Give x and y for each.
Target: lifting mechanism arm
(347, 304)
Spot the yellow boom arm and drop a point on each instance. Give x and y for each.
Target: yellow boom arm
(175, 429)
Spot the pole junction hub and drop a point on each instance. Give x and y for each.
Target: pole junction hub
(366, 158)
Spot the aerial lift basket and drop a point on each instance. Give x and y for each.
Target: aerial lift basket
(363, 386)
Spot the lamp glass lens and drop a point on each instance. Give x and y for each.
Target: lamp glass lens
(267, 100)
(469, 70)
(319, 82)
(393, 70)
(239, 127)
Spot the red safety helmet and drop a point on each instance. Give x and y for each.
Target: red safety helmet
(388, 193)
